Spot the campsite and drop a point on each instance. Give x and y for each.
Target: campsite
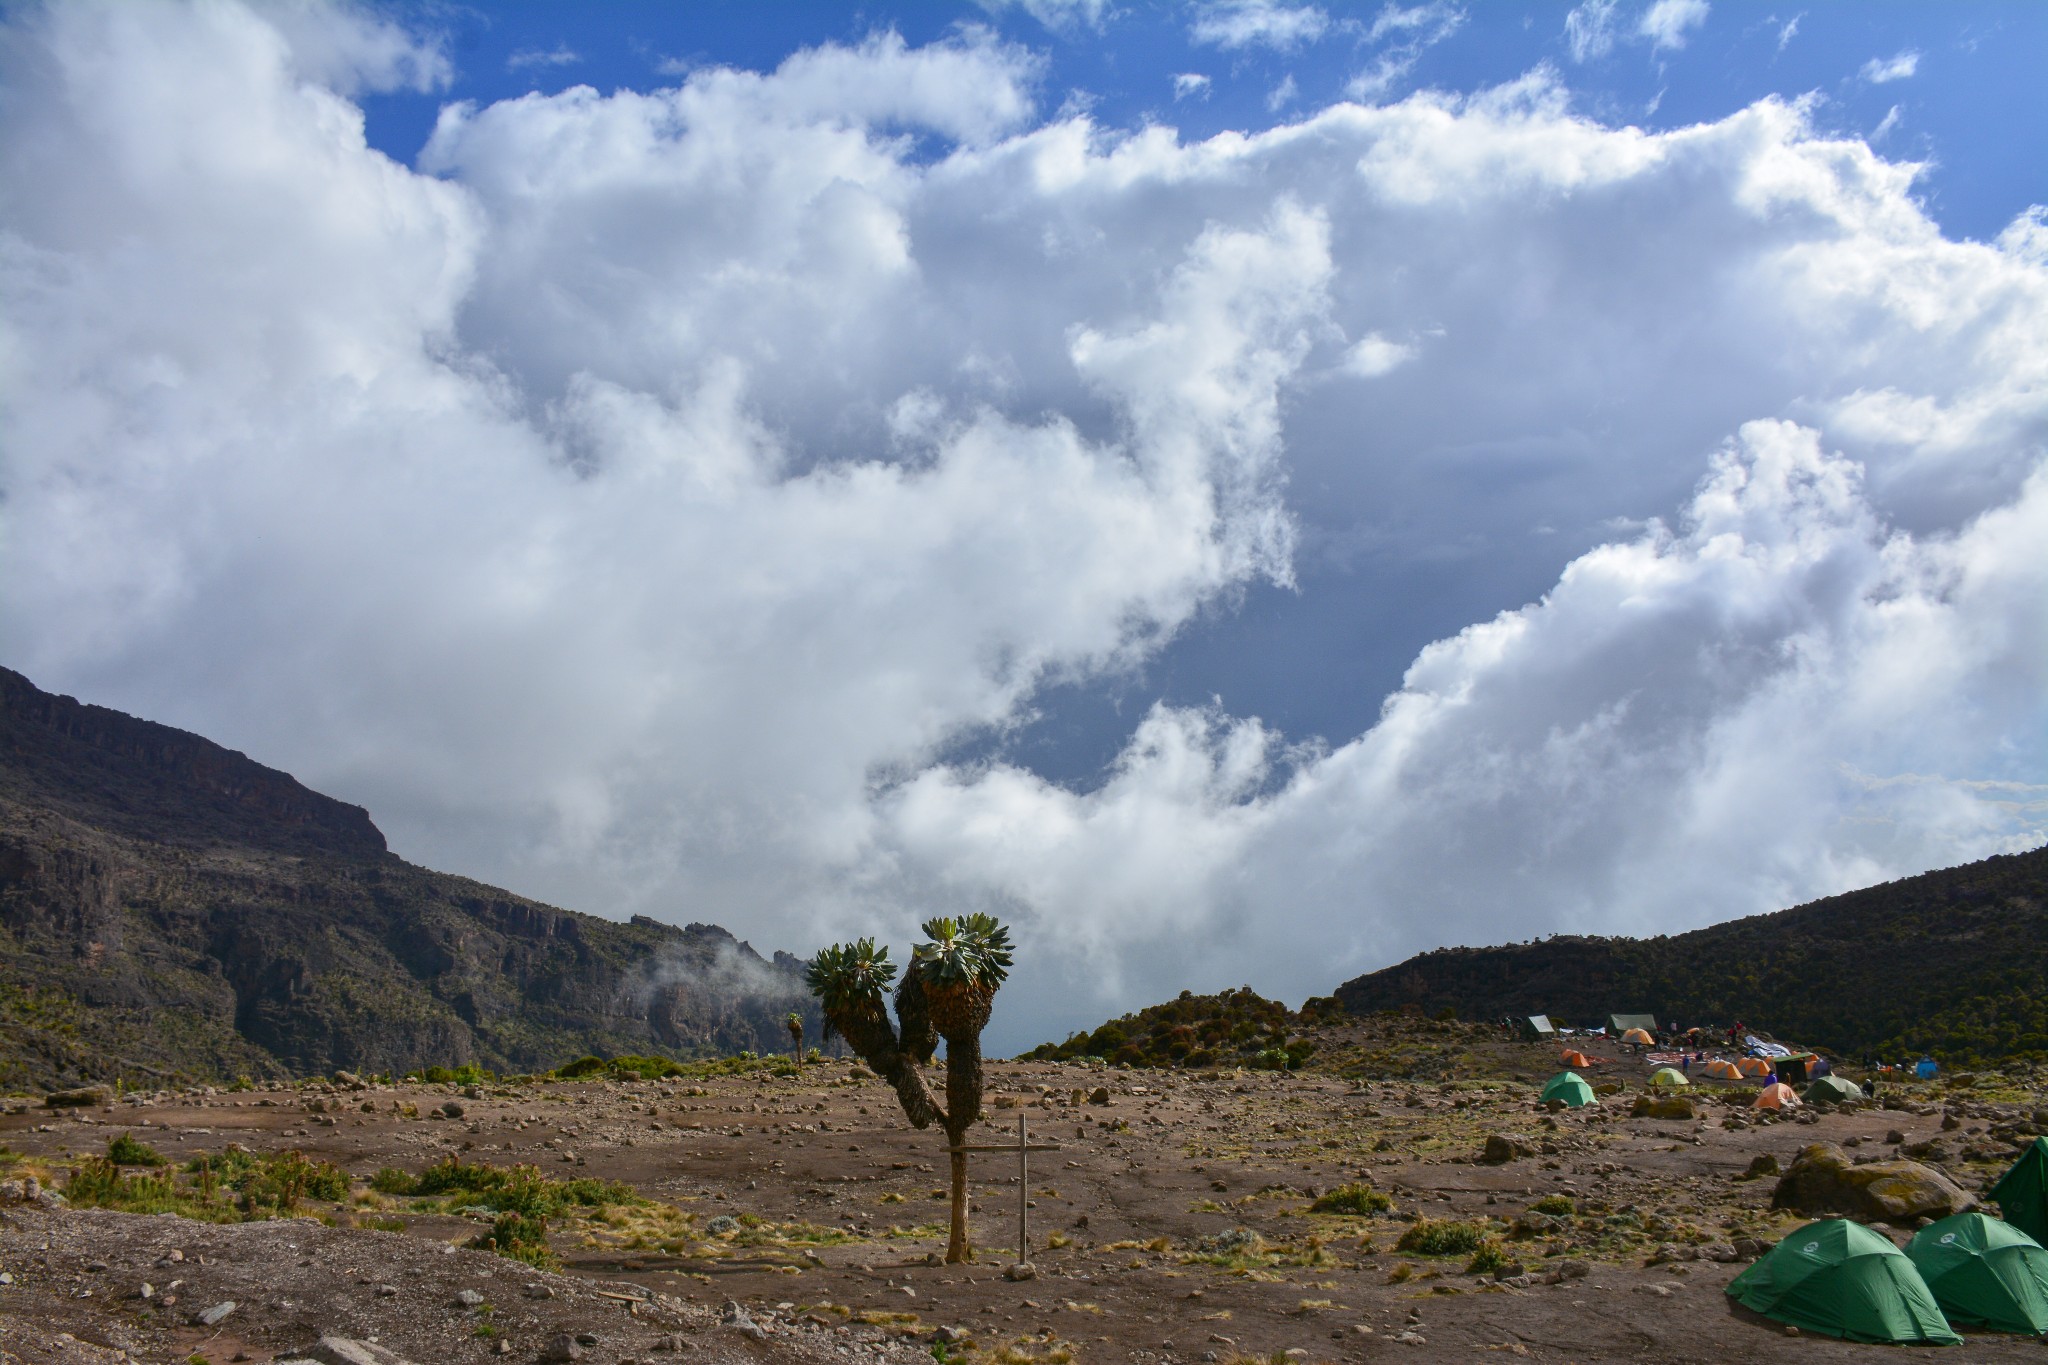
(1405, 1195)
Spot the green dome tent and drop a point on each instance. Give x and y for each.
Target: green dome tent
(1832, 1090)
(1984, 1273)
(1668, 1075)
(2022, 1192)
(1570, 1087)
(1841, 1279)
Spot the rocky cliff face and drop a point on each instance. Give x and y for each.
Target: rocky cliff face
(171, 907)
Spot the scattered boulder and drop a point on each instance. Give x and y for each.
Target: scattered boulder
(1761, 1166)
(1099, 1095)
(1662, 1107)
(1501, 1149)
(1824, 1180)
(349, 1351)
(560, 1348)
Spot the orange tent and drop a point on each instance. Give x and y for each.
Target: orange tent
(1576, 1059)
(1723, 1071)
(1754, 1066)
(1779, 1096)
(1637, 1035)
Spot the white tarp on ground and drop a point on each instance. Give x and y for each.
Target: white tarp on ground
(1760, 1048)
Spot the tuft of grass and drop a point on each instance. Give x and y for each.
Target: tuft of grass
(126, 1150)
(1489, 1259)
(519, 1237)
(1556, 1205)
(1441, 1237)
(1355, 1198)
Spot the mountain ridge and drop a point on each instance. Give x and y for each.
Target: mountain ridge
(1952, 962)
(171, 907)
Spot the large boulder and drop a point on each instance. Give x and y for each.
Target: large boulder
(1501, 1149)
(1823, 1180)
(1662, 1107)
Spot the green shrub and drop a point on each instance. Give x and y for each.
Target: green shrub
(518, 1189)
(1556, 1205)
(391, 1180)
(580, 1068)
(126, 1151)
(1353, 1198)
(1440, 1237)
(1490, 1259)
(519, 1237)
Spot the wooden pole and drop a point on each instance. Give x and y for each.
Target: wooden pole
(1023, 1145)
(1023, 1188)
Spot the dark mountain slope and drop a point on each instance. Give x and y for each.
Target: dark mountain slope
(168, 906)
(1953, 962)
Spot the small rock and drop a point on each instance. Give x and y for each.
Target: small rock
(1790, 1330)
(1099, 1095)
(387, 1291)
(469, 1298)
(348, 1351)
(560, 1347)
(216, 1315)
(538, 1291)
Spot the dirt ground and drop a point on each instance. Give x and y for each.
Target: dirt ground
(837, 1209)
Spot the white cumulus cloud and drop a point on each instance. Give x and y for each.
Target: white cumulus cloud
(1885, 70)
(1232, 24)
(647, 501)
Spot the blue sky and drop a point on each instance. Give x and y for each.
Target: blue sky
(1965, 91)
(1244, 492)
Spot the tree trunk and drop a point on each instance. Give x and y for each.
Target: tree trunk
(963, 1111)
(958, 1250)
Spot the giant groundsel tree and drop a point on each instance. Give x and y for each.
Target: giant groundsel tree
(947, 992)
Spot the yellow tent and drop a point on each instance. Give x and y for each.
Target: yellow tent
(1636, 1035)
(1754, 1066)
(1723, 1071)
(1779, 1096)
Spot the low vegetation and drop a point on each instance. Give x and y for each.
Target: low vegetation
(234, 1186)
(1233, 1028)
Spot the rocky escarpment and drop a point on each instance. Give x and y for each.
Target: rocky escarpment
(171, 907)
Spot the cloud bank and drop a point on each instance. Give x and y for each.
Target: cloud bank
(642, 501)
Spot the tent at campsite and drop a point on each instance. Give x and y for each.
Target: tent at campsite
(1723, 1071)
(1841, 1279)
(1925, 1068)
(1537, 1027)
(1642, 1036)
(2022, 1192)
(1753, 1066)
(1984, 1273)
(1571, 1058)
(1668, 1075)
(1779, 1096)
(1833, 1090)
(1570, 1087)
(1619, 1024)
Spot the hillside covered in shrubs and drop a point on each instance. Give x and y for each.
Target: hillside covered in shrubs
(1952, 963)
(1233, 1028)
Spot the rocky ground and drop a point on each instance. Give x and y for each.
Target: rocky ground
(799, 1218)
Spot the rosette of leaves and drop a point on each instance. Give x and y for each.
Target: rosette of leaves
(850, 981)
(959, 970)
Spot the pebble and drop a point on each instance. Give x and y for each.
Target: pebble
(469, 1298)
(214, 1316)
